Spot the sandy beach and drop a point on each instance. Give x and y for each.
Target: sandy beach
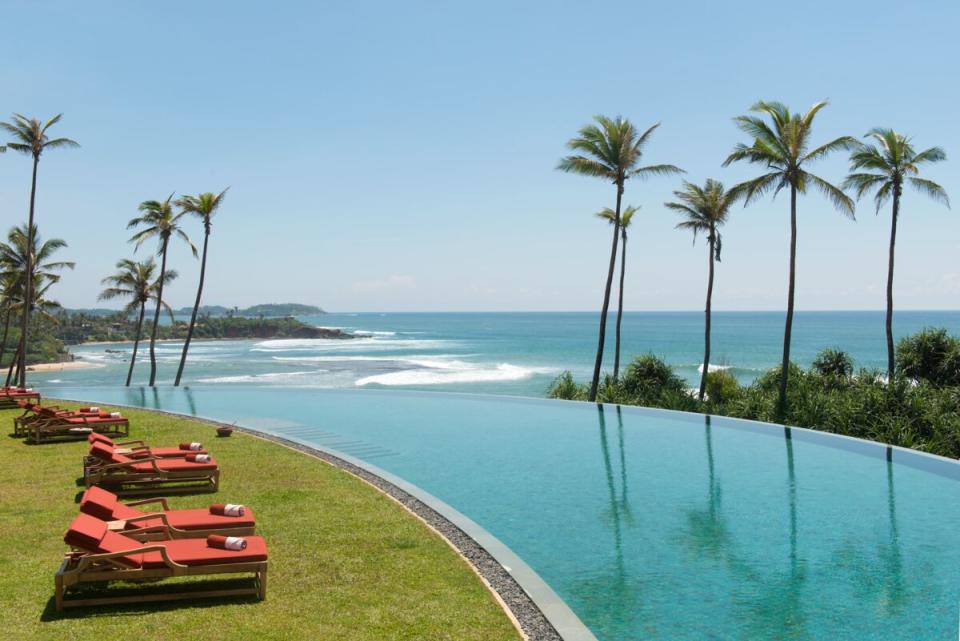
(59, 367)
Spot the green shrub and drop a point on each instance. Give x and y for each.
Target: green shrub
(564, 387)
(722, 387)
(931, 355)
(833, 362)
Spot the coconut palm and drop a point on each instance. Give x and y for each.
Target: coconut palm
(203, 207)
(782, 147)
(139, 283)
(705, 210)
(626, 216)
(158, 221)
(7, 286)
(611, 149)
(30, 137)
(889, 163)
(14, 258)
(42, 308)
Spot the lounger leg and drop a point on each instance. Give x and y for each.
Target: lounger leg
(262, 582)
(58, 591)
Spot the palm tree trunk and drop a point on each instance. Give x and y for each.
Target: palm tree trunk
(196, 306)
(13, 363)
(156, 316)
(136, 341)
(28, 278)
(788, 328)
(706, 332)
(893, 242)
(595, 382)
(623, 268)
(6, 330)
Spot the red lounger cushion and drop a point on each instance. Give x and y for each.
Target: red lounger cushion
(99, 503)
(91, 534)
(201, 519)
(94, 420)
(175, 465)
(96, 436)
(105, 453)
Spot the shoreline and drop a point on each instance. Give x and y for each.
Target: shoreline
(59, 367)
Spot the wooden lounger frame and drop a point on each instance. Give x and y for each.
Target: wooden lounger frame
(91, 568)
(167, 531)
(49, 429)
(122, 480)
(12, 400)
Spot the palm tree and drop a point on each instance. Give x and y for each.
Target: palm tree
(890, 162)
(203, 207)
(626, 216)
(30, 137)
(138, 282)
(611, 150)
(704, 209)
(7, 287)
(14, 258)
(783, 149)
(41, 307)
(158, 220)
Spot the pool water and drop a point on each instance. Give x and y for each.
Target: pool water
(649, 524)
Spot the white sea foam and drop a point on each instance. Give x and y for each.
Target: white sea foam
(392, 358)
(364, 332)
(371, 343)
(714, 368)
(271, 377)
(436, 372)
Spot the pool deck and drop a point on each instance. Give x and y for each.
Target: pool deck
(535, 609)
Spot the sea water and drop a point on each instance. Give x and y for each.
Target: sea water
(499, 353)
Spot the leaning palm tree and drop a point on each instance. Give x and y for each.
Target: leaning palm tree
(783, 149)
(611, 150)
(30, 137)
(626, 216)
(704, 209)
(14, 259)
(158, 221)
(139, 283)
(203, 207)
(42, 308)
(891, 162)
(7, 291)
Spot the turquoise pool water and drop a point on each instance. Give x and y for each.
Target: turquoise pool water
(653, 525)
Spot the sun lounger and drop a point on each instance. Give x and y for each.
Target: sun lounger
(163, 524)
(101, 555)
(126, 476)
(9, 396)
(139, 449)
(36, 413)
(74, 426)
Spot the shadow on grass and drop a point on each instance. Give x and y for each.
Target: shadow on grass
(88, 591)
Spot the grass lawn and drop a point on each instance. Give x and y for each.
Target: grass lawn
(346, 562)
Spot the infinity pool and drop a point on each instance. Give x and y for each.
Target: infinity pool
(649, 524)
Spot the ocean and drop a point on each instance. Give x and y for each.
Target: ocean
(498, 353)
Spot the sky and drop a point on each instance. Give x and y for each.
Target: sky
(387, 156)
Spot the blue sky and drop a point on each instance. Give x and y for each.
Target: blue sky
(400, 156)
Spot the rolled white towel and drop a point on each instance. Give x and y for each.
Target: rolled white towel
(93, 409)
(198, 458)
(115, 415)
(236, 543)
(195, 447)
(231, 509)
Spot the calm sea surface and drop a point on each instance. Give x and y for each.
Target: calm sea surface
(499, 353)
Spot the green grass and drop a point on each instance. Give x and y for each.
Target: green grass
(346, 562)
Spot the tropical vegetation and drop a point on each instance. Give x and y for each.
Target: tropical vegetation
(610, 150)
(919, 409)
(29, 137)
(204, 207)
(140, 283)
(158, 220)
(884, 167)
(782, 148)
(705, 210)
